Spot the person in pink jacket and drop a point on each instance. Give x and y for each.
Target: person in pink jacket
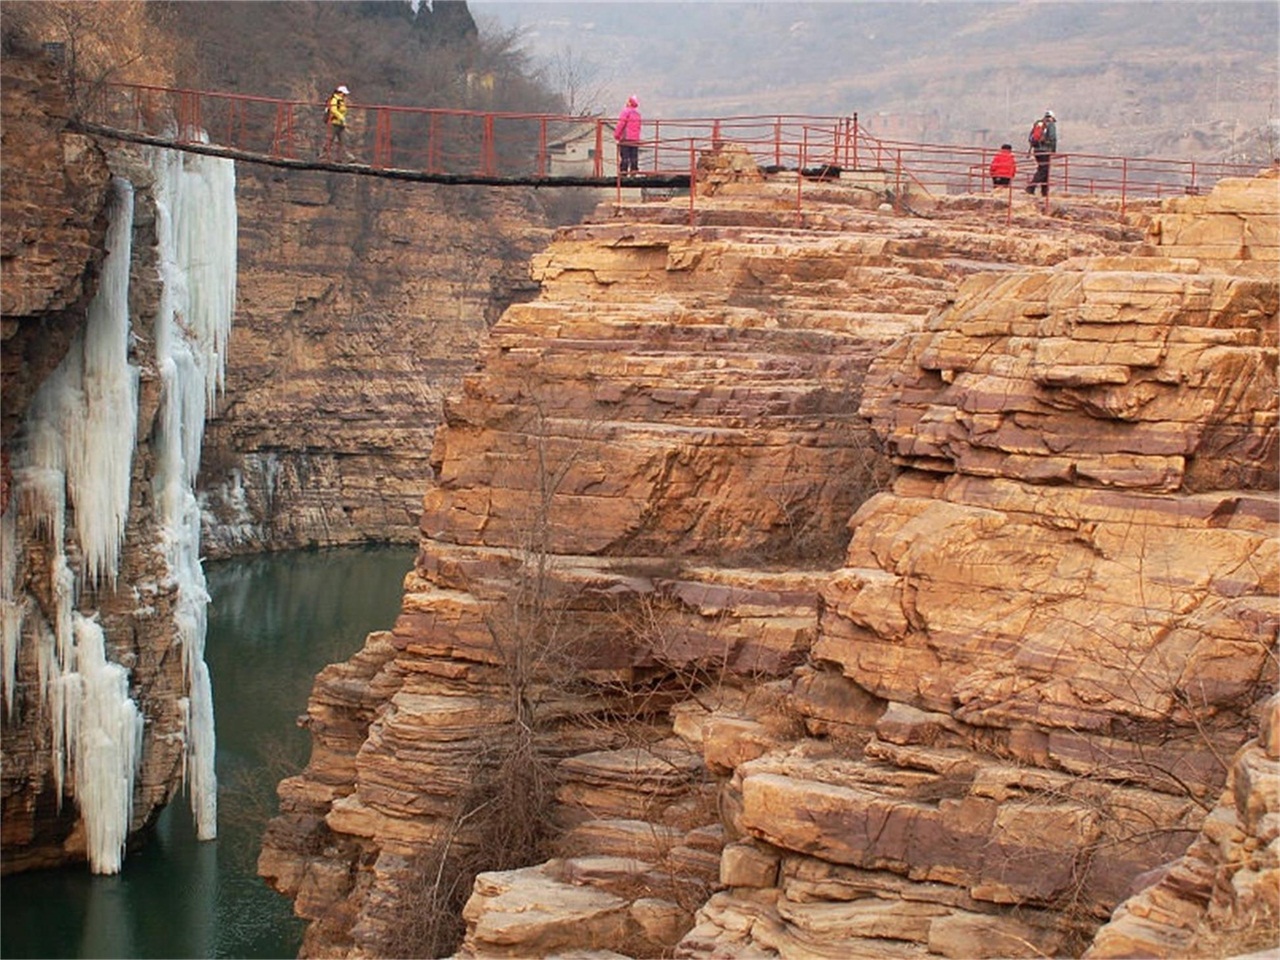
(627, 135)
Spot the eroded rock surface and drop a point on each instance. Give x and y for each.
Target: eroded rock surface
(360, 304)
(964, 732)
(52, 226)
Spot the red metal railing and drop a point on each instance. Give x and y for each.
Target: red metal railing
(524, 146)
(943, 168)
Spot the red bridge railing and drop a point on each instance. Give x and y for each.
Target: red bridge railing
(944, 168)
(523, 146)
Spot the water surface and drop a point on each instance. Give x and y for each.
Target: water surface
(274, 622)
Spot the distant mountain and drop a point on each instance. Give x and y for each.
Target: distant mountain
(1196, 80)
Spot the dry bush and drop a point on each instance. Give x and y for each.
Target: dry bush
(505, 820)
(247, 799)
(1184, 758)
(102, 40)
(501, 823)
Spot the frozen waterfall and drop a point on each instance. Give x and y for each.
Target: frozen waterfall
(72, 475)
(196, 229)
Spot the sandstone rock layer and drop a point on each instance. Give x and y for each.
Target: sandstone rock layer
(359, 307)
(797, 707)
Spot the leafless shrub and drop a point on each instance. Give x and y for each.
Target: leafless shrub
(1140, 788)
(96, 41)
(505, 820)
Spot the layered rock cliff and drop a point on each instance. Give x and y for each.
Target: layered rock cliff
(964, 732)
(361, 300)
(52, 234)
(360, 304)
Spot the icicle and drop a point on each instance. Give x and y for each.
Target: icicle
(107, 743)
(77, 445)
(196, 231)
(11, 609)
(77, 440)
(101, 438)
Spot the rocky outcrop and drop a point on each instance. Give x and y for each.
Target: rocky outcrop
(53, 191)
(1220, 898)
(360, 305)
(963, 732)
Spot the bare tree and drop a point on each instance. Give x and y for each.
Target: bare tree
(98, 41)
(578, 80)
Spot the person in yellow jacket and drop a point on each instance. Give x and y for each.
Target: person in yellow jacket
(335, 116)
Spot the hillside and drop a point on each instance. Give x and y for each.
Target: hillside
(1172, 79)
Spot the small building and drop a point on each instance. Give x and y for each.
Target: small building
(573, 152)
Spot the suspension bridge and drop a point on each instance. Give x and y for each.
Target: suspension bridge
(494, 148)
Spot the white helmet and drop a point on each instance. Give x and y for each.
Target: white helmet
(343, 90)
(1051, 115)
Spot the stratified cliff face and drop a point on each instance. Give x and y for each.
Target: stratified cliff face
(963, 732)
(360, 304)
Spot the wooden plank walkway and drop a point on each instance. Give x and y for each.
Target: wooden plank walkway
(666, 180)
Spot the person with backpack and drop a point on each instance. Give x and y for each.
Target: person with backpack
(1004, 166)
(1042, 141)
(335, 117)
(627, 135)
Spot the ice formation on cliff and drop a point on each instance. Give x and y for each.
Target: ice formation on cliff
(196, 231)
(106, 728)
(79, 442)
(72, 477)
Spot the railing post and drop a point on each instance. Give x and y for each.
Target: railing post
(693, 179)
(657, 140)
(489, 155)
(229, 136)
(433, 140)
(1194, 191)
(1066, 174)
(188, 116)
(897, 181)
(1124, 184)
(541, 165)
(855, 140)
(777, 142)
(599, 171)
(382, 139)
(282, 137)
(804, 151)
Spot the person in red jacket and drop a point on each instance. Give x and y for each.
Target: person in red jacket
(627, 134)
(1004, 166)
